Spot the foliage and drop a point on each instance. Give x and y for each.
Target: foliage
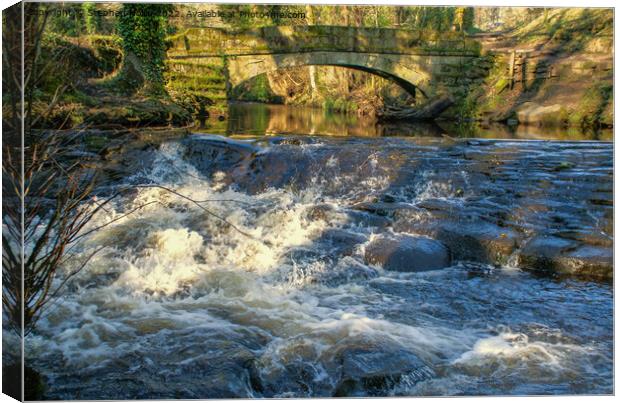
(142, 28)
(92, 20)
(592, 106)
(75, 19)
(340, 104)
(66, 19)
(256, 89)
(52, 219)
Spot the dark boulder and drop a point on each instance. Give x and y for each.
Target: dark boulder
(407, 253)
(210, 154)
(478, 241)
(475, 241)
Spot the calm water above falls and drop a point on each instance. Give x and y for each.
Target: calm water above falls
(181, 305)
(259, 119)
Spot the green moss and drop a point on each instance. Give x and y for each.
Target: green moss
(560, 119)
(501, 84)
(591, 107)
(339, 104)
(79, 97)
(256, 89)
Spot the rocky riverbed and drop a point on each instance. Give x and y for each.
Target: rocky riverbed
(341, 267)
(546, 204)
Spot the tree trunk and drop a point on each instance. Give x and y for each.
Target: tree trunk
(428, 112)
(313, 89)
(312, 69)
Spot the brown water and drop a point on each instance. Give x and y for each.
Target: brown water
(263, 119)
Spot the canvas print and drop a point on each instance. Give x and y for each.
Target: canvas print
(204, 201)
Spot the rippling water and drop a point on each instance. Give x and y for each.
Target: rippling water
(182, 305)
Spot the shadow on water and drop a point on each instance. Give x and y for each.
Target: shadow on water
(258, 119)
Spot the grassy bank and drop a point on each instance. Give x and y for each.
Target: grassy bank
(95, 96)
(560, 74)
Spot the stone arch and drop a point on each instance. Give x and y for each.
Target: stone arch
(411, 72)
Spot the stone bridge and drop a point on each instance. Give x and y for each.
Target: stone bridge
(209, 62)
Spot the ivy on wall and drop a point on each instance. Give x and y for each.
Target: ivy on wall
(142, 28)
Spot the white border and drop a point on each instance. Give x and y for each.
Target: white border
(515, 3)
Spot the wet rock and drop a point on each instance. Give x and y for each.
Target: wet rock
(328, 213)
(212, 154)
(475, 241)
(479, 242)
(372, 368)
(320, 212)
(289, 368)
(562, 256)
(540, 252)
(274, 168)
(368, 220)
(437, 205)
(226, 370)
(587, 237)
(407, 253)
(342, 242)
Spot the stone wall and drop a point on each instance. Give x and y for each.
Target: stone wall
(289, 39)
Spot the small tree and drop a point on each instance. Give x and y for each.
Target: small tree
(42, 190)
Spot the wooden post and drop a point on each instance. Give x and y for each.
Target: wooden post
(524, 70)
(511, 68)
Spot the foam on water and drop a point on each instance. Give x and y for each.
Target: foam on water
(178, 289)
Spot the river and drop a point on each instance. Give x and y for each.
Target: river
(281, 300)
(260, 119)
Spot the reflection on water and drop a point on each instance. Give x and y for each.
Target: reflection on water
(260, 119)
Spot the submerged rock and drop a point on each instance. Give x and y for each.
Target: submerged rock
(562, 256)
(386, 209)
(472, 231)
(407, 253)
(371, 368)
(209, 154)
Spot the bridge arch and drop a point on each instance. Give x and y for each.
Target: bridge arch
(410, 72)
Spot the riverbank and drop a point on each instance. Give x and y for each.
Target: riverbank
(560, 72)
(554, 72)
